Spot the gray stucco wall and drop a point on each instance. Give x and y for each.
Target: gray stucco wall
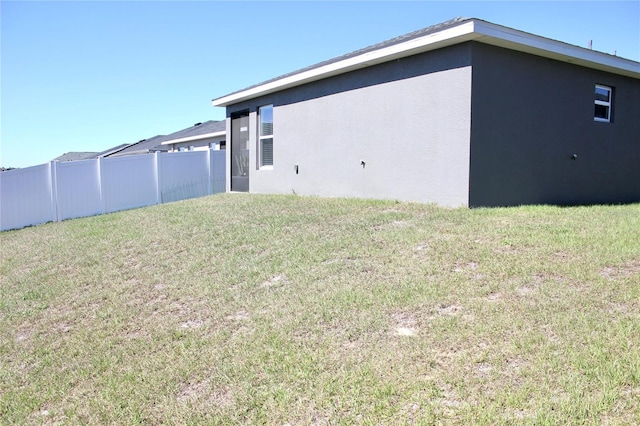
(530, 114)
(408, 120)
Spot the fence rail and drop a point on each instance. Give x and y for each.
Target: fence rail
(65, 190)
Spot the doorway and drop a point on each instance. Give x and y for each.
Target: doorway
(240, 152)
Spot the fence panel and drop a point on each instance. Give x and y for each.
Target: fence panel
(26, 197)
(218, 164)
(78, 189)
(129, 182)
(66, 190)
(183, 175)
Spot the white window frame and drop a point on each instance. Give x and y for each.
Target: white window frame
(262, 137)
(607, 104)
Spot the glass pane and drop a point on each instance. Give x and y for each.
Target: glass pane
(266, 120)
(602, 94)
(267, 152)
(602, 111)
(266, 129)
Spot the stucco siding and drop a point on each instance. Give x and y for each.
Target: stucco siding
(531, 114)
(409, 123)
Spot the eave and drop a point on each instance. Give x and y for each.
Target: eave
(469, 30)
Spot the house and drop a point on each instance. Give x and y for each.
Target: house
(463, 113)
(144, 146)
(201, 136)
(109, 151)
(75, 156)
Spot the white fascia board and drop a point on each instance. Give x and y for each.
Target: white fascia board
(529, 43)
(481, 31)
(437, 40)
(195, 138)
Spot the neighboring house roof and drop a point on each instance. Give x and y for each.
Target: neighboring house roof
(141, 147)
(109, 151)
(198, 131)
(437, 36)
(75, 156)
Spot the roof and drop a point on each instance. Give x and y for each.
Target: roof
(141, 147)
(110, 151)
(75, 156)
(455, 31)
(198, 131)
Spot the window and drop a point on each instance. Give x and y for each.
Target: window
(265, 136)
(603, 103)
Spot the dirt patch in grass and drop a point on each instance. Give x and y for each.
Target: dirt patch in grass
(404, 324)
(203, 393)
(449, 310)
(275, 281)
(629, 269)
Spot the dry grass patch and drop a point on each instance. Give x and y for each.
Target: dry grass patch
(630, 269)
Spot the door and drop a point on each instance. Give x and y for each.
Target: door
(240, 152)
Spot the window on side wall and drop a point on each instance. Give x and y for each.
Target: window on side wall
(603, 103)
(265, 137)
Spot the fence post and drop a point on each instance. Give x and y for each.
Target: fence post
(53, 187)
(99, 181)
(210, 171)
(103, 197)
(158, 172)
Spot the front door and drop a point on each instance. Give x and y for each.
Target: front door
(240, 152)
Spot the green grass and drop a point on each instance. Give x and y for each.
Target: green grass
(248, 309)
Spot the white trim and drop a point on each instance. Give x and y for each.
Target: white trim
(195, 138)
(481, 31)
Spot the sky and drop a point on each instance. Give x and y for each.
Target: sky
(90, 75)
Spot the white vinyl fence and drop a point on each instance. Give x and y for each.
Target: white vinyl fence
(64, 190)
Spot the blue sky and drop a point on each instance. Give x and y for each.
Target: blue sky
(86, 76)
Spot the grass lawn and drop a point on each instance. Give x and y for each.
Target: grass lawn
(287, 310)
